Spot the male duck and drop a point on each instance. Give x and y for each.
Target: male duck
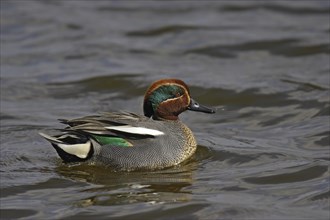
(127, 141)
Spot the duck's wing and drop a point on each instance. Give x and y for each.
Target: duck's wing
(75, 143)
(122, 124)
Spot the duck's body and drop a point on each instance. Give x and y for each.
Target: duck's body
(127, 141)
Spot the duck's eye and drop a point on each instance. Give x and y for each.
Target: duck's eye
(176, 95)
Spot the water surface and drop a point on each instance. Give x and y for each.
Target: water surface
(263, 65)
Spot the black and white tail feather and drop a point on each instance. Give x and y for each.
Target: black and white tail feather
(71, 146)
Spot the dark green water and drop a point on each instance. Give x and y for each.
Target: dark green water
(263, 64)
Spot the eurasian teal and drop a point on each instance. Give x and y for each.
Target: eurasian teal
(127, 141)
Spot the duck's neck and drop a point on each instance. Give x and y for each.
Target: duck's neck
(166, 118)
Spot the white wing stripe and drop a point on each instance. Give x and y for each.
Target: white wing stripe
(136, 130)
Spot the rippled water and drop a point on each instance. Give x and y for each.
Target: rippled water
(263, 65)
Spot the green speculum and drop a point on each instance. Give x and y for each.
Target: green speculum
(115, 141)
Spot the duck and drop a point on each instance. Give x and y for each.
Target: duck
(128, 141)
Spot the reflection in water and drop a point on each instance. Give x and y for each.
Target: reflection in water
(115, 188)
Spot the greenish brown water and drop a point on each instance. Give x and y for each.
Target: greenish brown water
(263, 64)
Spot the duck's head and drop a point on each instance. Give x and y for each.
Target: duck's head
(167, 98)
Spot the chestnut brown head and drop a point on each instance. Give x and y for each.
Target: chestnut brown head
(167, 98)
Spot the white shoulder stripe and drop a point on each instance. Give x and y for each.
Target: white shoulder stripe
(79, 150)
(136, 130)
